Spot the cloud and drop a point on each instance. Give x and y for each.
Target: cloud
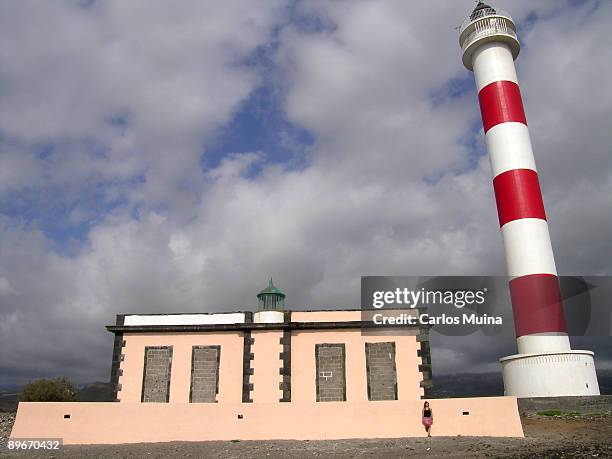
(116, 91)
(108, 123)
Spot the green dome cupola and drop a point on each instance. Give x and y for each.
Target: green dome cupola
(271, 298)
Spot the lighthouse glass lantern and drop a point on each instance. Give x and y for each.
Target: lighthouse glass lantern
(271, 298)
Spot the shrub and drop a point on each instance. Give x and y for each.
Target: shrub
(49, 390)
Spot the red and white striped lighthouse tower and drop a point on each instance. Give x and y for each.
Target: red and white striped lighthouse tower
(545, 364)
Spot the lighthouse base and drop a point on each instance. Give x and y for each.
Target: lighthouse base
(550, 374)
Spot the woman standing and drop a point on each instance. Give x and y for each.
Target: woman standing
(427, 418)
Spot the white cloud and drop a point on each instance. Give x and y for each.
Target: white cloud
(172, 73)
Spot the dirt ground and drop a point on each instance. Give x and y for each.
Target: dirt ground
(553, 437)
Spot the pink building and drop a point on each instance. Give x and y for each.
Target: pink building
(271, 374)
(270, 356)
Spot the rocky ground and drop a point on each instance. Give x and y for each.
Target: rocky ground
(553, 437)
(6, 424)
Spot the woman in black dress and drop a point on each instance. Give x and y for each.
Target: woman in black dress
(427, 418)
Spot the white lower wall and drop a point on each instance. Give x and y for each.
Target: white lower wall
(550, 374)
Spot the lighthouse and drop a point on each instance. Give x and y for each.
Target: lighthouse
(545, 365)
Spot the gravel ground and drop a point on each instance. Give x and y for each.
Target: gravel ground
(6, 424)
(556, 437)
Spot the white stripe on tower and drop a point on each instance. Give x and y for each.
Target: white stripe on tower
(538, 312)
(491, 63)
(512, 146)
(528, 248)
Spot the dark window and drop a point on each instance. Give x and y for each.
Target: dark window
(156, 374)
(381, 372)
(331, 375)
(204, 374)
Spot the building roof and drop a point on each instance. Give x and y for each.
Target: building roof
(481, 6)
(271, 290)
(243, 321)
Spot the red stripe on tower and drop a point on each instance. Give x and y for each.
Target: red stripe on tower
(518, 195)
(537, 304)
(500, 102)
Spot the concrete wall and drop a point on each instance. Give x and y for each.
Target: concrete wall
(91, 423)
(205, 374)
(331, 372)
(381, 372)
(157, 370)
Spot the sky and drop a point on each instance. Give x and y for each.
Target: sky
(158, 156)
